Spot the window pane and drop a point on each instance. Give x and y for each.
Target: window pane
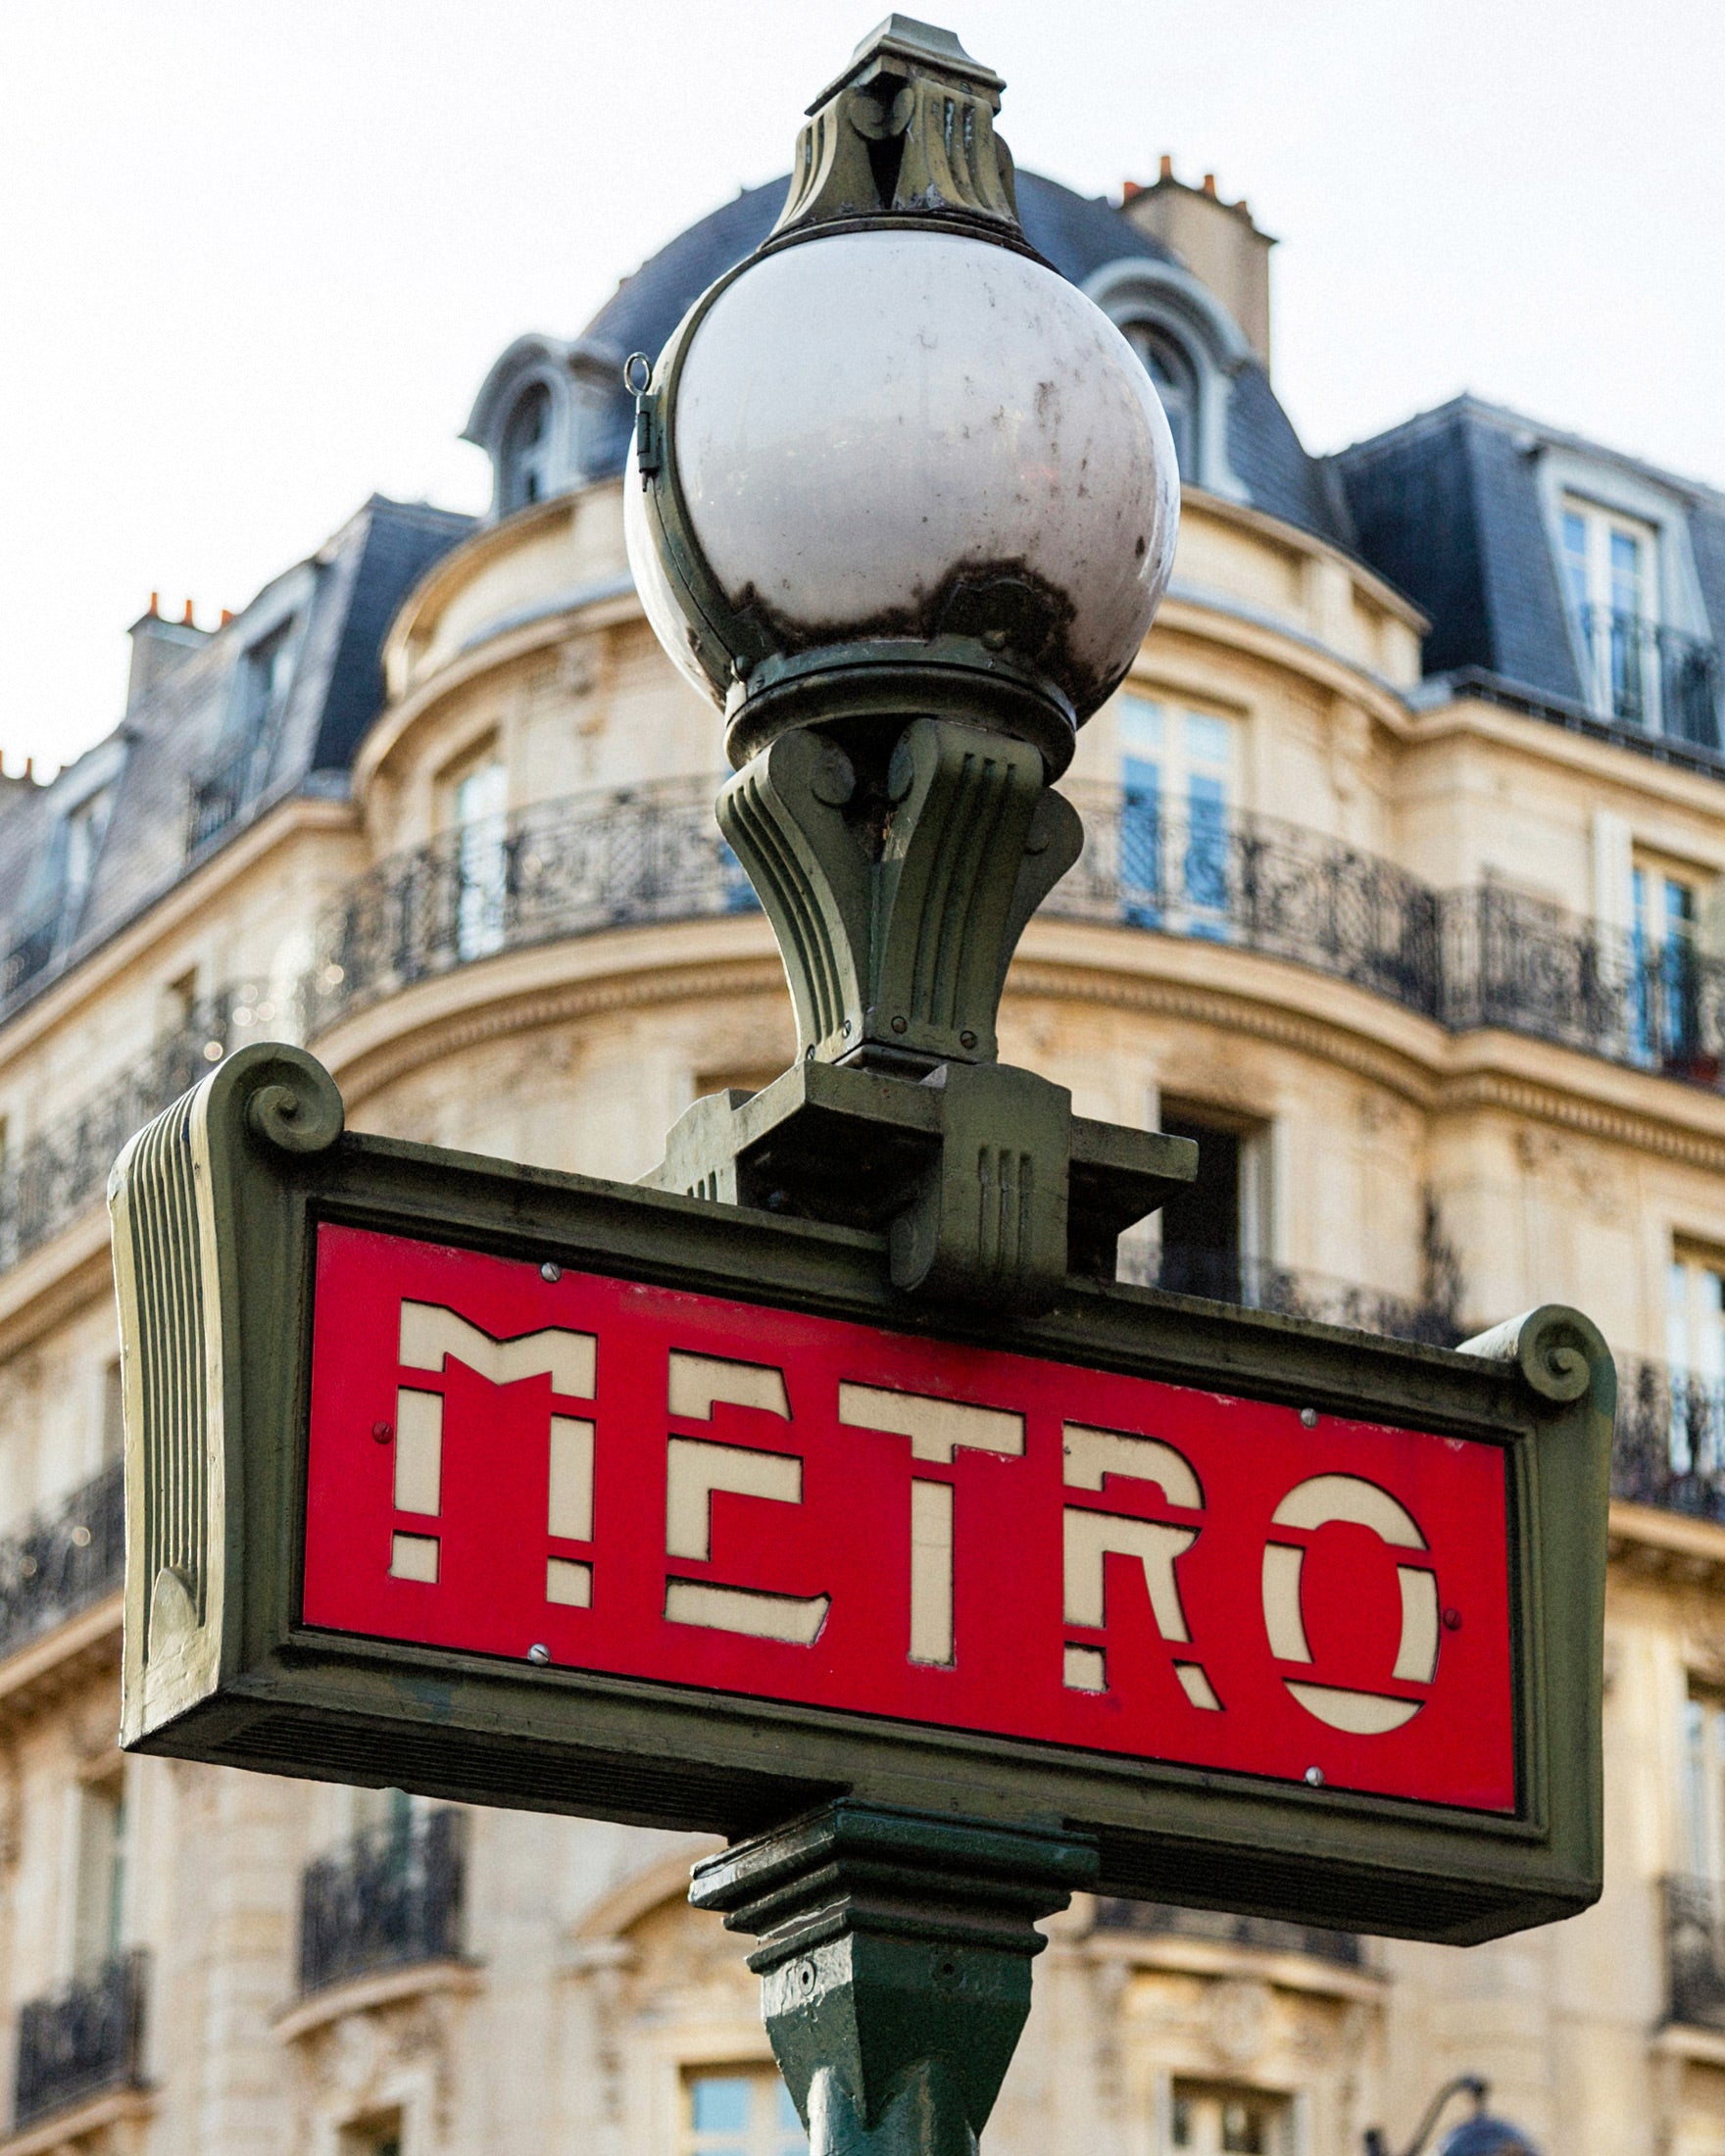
(1141, 726)
(1208, 740)
(1182, 2121)
(1626, 561)
(1243, 2127)
(720, 2104)
(1575, 559)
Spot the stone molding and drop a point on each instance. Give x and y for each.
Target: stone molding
(43, 1672)
(113, 2124)
(369, 1994)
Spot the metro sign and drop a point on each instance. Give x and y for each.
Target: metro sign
(521, 1488)
(694, 1489)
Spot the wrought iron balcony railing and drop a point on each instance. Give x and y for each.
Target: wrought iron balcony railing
(1223, 1276)
(1657, 678)
(1265, 1933)
(1470, 957)
(1694, 1952)
(56, 1176)
(563, 868)
(63, 1560)
(29, 953)
(1670, 1447)
(218, 795)
(391, 1897)
(81, 2040)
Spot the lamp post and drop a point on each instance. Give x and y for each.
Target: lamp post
(1478, 2135)
(904, 506)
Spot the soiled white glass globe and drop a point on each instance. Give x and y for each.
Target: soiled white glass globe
(866, 421)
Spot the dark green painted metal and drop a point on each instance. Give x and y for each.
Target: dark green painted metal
(907, 131)
(215, 1206)
(895, 1964)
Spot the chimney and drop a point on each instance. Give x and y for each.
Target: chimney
(1217, 240)
(158, 648)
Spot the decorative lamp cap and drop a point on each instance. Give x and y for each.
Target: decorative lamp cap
(904, 133)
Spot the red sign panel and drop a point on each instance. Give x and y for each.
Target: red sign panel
(706, 1492)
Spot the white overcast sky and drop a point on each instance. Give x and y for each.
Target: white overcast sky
(254, 259)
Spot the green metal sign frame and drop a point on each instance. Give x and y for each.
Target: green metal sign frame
(215, 1206)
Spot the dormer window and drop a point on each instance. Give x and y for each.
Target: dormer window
(1169, 366)
(1610, 577)
(85, 827)
(525, 463)
(268, 668)
(1623, 583)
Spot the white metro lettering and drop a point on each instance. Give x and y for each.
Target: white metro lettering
(938, 1430)
(697, 1467)
(1316, 1503)
(1090, 1538)
(429, 1334)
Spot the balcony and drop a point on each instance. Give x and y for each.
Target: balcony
(30, 952)
(83, 2040)
(1265, 1933)
(1695, 1953)
(1656, 679)
(1466, 958)
(570, 867)
(64, 1561)
(217, 797)
(60, 1174)
(1225, 1276)
(1670, 1445)
(390, 1898)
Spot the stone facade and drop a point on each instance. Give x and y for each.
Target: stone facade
(512, 930)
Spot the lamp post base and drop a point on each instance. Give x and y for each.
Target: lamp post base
(895, 1964)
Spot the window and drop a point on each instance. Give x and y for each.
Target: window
(740, 2111)
(268, 669)
(526, 464)
(1611, 579)
(376, 2136)
(1213, 1229)
(1170, 368)
(99, 1889)
(1704, 1785)
(1695, 1350)
(180, 1002)
(1177, 785)
(1664, 921)
(1210, 2121)
(84, 830)
(474, 794)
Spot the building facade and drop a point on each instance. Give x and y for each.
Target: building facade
(1403, 892)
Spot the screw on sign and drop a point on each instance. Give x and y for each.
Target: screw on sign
(691, 1489)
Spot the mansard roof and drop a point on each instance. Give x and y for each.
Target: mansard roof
(1080, 235)
(1459, 507)
(194, 732)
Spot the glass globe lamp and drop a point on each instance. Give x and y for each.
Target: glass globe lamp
(894, 460)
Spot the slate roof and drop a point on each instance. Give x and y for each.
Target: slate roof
(1448, 507)
(184, 727)
(1077, 233)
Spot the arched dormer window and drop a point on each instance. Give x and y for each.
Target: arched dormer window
(1169, 366)
(1192, 348)
(524, 466)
